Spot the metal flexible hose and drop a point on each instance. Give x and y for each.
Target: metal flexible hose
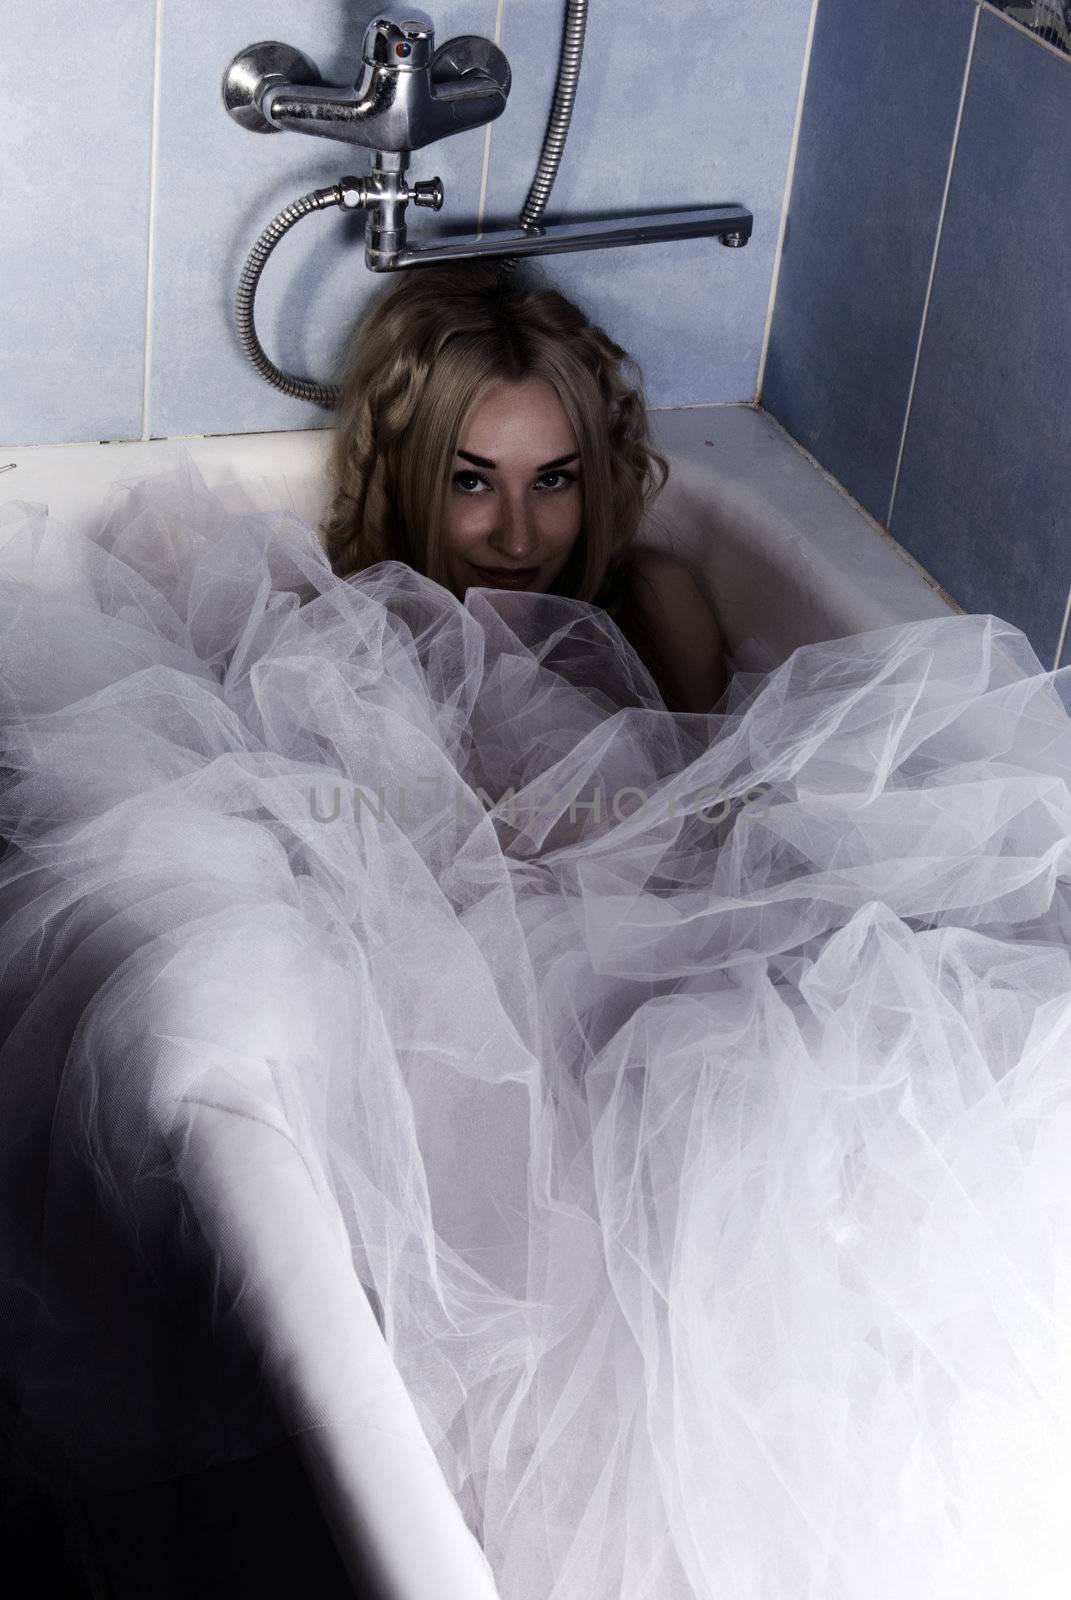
(320, 394)
(561, 111)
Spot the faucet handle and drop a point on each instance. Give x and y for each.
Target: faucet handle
(398, 37)
(471, 57)
(428, 193)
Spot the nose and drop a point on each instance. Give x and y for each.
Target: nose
(516, 537)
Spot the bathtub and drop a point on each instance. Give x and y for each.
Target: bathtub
(787, 559)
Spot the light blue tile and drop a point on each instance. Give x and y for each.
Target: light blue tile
(74, 175)
(219, 185)
(876, 133)
(984, 498)
(681, 106)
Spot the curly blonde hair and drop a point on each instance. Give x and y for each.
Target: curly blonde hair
(419, 362)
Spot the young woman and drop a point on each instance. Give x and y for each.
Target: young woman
(490, 435)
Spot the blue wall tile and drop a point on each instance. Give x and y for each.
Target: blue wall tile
(879, 114)
(984, 496)
(74, 174)
(682, 106)
(690, 109)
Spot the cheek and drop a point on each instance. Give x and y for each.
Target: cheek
(561, 517)
(465, 520)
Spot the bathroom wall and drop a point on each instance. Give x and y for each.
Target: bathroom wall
(920, 346)
(131, 199)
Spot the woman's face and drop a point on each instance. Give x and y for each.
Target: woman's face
(515, 501)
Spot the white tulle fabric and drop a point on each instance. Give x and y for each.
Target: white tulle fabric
(693, 1091)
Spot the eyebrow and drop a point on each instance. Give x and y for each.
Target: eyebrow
(548, 466)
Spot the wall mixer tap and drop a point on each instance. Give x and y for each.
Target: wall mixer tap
(410, 95)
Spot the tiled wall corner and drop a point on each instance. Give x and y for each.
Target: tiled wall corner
(935, 389)
(983, 498)
(879, 115)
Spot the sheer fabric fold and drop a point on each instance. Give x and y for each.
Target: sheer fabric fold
(690, 1094)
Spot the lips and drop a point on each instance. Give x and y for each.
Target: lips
(506, 580)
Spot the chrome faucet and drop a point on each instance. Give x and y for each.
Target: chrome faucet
(409, 95)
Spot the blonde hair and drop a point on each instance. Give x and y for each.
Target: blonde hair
(419, 362)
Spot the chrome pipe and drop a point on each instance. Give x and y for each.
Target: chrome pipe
(731, 224)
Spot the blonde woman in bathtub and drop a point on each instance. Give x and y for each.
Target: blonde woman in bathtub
(488, 429)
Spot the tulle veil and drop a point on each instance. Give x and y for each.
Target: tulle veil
(688, 1093)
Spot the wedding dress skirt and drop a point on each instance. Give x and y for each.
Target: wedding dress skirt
(691, 1093)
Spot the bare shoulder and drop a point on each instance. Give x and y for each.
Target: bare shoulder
(674, 588)
(675, 602)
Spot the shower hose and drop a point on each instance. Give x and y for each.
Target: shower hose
(325, 394)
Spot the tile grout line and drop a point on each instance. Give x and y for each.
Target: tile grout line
(933, 268)
(706, 405)
(1065, 631)
(485, 174)
(150, 273)
(783, 222)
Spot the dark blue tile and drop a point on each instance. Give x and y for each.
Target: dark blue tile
(878, 121)
(984, 497)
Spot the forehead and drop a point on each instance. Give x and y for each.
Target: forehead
(519, 417)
